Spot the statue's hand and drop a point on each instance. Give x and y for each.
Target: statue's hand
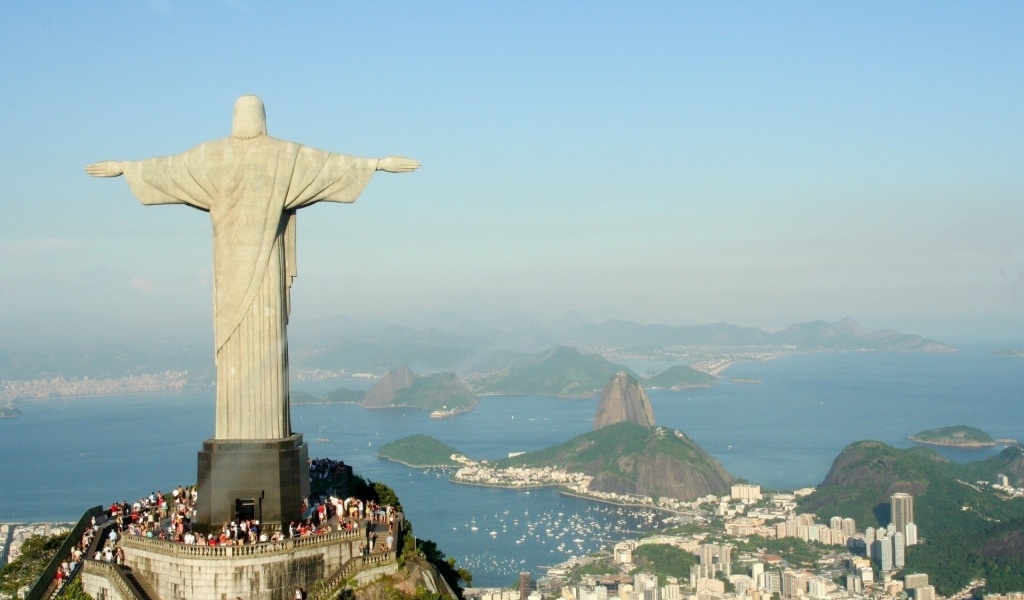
(397, 164)
(107, 168)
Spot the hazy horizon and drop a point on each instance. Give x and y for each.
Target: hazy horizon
(677, 163)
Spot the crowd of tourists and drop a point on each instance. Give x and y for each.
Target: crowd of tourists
(169, 517)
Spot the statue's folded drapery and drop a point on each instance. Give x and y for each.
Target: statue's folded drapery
(251, 188)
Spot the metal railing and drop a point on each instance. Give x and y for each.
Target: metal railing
(257, 549)
(337, 580)
(39, 589)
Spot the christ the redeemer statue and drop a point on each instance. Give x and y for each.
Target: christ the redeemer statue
(251, 184)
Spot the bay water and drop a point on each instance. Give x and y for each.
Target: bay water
(779, 423)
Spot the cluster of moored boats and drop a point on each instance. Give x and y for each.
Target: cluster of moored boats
(566, 534)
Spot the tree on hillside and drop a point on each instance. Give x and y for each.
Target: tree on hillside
(36, 553)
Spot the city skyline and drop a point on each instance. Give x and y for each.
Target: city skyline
(679, 164)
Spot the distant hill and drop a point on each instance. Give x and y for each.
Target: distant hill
(383, 392)
(865, 474)
(1009, 462)
(344, 396)
(561, 371)
(419, 451)
(956, 435)
(109, 361)
(439, 391)
(447, 342)
(623, 399)
(957, 518)
(846, 334)
(679, 377)
(626, 458)
(338, 396)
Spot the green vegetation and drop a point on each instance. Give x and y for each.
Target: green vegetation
(411, 548)
(602, 450)
(446, 566)
(36, 553)
(9, 412)
(74, 591)
(440, 391)
(955, 557)
(419, 451)
(956, 435)
(344, 396)
(663, 560)
(680, 377)
(866, 474)
(596, 569)
(338, 396)
(967, 530)
(562, 371)
(793, 550)
(1009, 462)
(636, 459)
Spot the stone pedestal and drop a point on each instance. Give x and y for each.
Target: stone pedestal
(267, 480)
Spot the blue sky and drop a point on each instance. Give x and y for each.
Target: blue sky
(677, 162)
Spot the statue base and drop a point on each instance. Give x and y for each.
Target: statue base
(265, 480)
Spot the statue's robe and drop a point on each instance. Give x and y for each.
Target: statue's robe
(251, 189)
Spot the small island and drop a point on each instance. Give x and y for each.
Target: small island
(9, 412)
(1009, 353)
(961, 436)
(420, 452)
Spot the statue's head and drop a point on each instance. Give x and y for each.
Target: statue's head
(250, 118)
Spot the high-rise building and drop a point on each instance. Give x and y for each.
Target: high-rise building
(925, 592)
(747, 492)
(849, 527)
(794, 584)
(525, 585)
(819, 588)
(756, 573)
(915, 580)
(911, 533)
(853, 583)
(882, 553)
(899, 548)
(901, 507)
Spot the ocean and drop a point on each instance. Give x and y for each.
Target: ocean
(781, 428)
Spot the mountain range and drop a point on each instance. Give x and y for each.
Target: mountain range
(450, 343)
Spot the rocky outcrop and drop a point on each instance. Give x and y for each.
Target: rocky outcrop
(384, 392)
(623, 399)
(625, 458)
(416, 574)
(669, 465)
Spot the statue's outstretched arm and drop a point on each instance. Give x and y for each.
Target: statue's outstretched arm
(397, 164)
(107, 168)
